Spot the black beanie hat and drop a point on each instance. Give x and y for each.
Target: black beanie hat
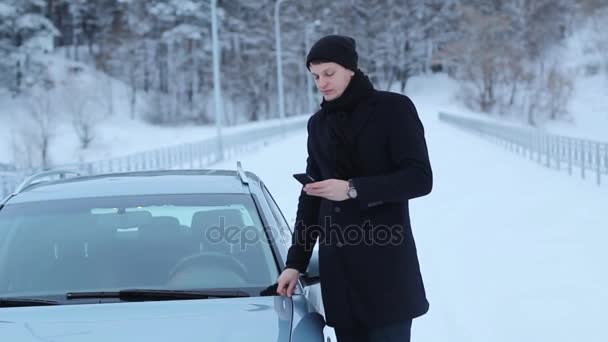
(334, 48)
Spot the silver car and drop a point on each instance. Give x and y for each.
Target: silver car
(188, 255)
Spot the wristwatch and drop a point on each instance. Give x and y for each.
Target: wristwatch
(352, 192)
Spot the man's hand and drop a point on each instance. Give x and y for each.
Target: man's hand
(287, 281)
(331, 189)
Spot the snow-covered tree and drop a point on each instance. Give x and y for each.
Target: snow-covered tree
(25, 33)
(162, 48)
(40, 125)
(81, 105)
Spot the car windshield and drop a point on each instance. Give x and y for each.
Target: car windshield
(170, 242)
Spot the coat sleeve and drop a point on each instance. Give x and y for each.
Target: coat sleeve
(305, 231)
(408, 151)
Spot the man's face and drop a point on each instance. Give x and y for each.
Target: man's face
(331, 79)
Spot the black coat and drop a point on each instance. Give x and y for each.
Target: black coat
(375, 279)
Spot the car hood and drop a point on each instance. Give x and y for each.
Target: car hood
(234, 319)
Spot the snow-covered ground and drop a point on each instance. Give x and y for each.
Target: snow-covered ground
(510, 250)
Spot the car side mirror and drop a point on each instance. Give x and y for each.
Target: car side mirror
(312, 275)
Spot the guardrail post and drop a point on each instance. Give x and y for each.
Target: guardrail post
(606, 157)
(598, 163)
(176, 156)
(576, 145)
(569, 156)
(548, 151)
(529, 145)
(200, 155)
(558, 155)
(539, 149)
(565, 150)
(164, 155)
(583, 155)
(180, 155)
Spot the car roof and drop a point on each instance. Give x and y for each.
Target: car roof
(161, 182)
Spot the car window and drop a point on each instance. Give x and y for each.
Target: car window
(160, 242)
(278, 215)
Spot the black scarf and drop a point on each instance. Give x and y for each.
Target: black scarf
(357, 90)
(338, 113)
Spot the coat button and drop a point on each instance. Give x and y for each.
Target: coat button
(337, 209)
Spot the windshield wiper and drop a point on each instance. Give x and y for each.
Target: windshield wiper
(17, 302)
(150, 295)
(270, 290)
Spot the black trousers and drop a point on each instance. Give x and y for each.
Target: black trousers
(395, 332)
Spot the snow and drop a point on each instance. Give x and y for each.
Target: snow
(7, 10)
(585, 54)
(36, 22)
(589, 107)
(163, 10)
(183, 31)
(115, 134)
(509, 250)
(186, 7)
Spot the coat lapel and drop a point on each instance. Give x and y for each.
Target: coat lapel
(362, 113)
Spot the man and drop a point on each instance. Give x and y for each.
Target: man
(368, 155)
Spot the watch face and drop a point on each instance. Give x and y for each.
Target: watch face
(352, 192)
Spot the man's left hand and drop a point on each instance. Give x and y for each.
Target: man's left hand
(331, 189)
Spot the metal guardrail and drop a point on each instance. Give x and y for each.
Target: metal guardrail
(6, 167)
(554, 151)
(191, 155)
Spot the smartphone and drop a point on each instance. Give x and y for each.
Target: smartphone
(304, 178)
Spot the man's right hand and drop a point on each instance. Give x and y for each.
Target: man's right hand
(287, 282)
